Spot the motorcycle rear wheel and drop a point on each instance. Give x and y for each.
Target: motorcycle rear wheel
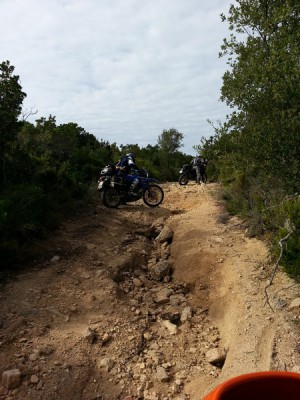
(111, 198)
(153, 196)
(183, 180)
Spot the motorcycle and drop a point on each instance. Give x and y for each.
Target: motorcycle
(188, 172)
(114, 190)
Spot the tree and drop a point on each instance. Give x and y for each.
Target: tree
(169, 142)
(258, 147)
(263, 85)
(64, 141)
(11, 99)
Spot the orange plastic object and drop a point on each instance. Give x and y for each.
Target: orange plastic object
(268, 385)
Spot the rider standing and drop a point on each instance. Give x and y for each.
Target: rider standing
(199, 163)
(203, 169)
(125, 165)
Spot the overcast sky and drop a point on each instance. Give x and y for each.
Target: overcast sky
(124, 70)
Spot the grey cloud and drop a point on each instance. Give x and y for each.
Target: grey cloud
(122, 68)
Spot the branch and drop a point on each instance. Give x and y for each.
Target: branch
(284, 200)
(26, 114)
(290, 228)
(286, 288)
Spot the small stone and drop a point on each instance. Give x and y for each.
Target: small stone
(172, 328)
(34, 379)
(160, 270)
(105, 338)
(11, 379)
(85, 275)
(146, 282)
(90, 335)
(165, 235)
(193, 350)
(215, 356)
(148, 396)
(295, 303)
(137, 282)
(46, 351)
(106, 364)
(215, 338)
(162, 375)
(163, 296)
(54, 259)
(73, 308)
(186, 314)
(182, 375)
(32, 357)
(39, 386)
(218, 239)
(147, 336)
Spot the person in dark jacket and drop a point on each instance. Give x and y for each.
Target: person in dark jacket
(199, 163)
(125, 166)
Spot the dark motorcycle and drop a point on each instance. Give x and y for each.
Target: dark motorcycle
(114, 190)
(188, 172)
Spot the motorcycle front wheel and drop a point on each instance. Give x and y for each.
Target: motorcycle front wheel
(111, 198)
(153, 196)
(183, 179)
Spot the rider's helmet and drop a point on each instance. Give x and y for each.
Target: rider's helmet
(130, 155)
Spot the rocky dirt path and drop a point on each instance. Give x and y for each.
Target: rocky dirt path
(140, 303)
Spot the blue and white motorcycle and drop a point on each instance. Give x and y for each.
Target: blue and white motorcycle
(115, 191)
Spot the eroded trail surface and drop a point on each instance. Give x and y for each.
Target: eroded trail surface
(140, 303)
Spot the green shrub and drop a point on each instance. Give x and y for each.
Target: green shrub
(255, 197)
(236, 194)
(28, 210)
(290, 260)
(22, 206)
(22, 215)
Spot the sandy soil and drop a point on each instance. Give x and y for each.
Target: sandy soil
(91, 319)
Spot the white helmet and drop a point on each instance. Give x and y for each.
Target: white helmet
(130, 155)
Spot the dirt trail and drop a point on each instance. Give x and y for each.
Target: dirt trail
(139, 303)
